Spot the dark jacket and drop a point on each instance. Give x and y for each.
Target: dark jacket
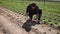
(35, 11)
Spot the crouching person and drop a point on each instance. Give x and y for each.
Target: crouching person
(33, 9)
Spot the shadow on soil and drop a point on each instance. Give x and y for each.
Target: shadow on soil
(28, 24)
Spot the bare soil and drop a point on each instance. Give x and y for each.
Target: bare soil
(14, 23)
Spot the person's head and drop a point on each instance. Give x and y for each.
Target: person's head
(33, 6)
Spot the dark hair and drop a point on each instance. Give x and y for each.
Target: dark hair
(33, 4)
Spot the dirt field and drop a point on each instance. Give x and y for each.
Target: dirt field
(12, 23)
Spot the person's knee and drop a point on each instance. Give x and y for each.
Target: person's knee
(40, 11)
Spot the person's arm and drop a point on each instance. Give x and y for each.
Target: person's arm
(39, 10)
(27, 10)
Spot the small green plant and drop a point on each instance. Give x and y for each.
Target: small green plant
(56, 23)
(43, 19)
(36, 29)
(49, 20)
(51, 25)
(49, 29)
(58, 26)
(44, 32)
(57, 33)
(42, 26)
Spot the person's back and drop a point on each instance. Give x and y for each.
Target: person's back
(33, 9)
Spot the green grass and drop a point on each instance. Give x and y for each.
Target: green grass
(51, 10)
